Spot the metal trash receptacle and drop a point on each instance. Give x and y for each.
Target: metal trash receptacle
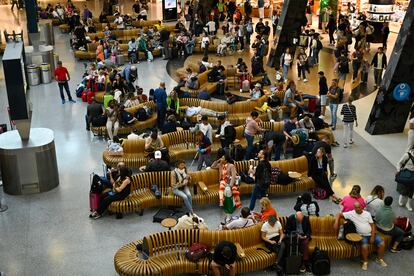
(45, 73)
(33, 73)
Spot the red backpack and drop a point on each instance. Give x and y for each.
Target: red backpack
(197, 251)
(403, 223)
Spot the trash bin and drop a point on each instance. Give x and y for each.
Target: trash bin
(33, 73)
(45, 73)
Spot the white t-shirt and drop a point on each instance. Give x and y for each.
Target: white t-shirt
(240, 223)
(192, 110)
(271, 231)
(373, 204)
(362, 221)
(287, 59)
(132, 136)
(117, 95)
(204, 42)
(101, 79)
(211, 25)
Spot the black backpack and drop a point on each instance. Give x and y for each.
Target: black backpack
(96, 184)
(343, 66)
(267, 179)
(142, 114)
(320, 262)
(237, 153)
(349, 227)
(230, 133)
(319, 45)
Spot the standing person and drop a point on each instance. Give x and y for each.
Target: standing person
(263, 178)
(332, 26)
(333, 96)
(180, 181)
(286, 62)
(302, 63)
(410, 134)
(204, 150)
(224, 256)
(251, 129)
(112, 112)
(62, 77)
(406, 191)
(165, 41)
(384, 220)
(249, 30)
(323, 90)
(385, 33)
(349, 117)
(365, 66)
(275, 21)
(318, 171)
(379, 62)
(260, 5)
(342, 66)
(240, 36)
(160, 98)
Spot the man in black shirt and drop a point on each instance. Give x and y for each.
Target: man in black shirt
(157, 164)
(266, 30)
(274, 143)
(225, 255)
(262, 178)
(165, 41)
(323, 90)
(93, 111)
(259, 27)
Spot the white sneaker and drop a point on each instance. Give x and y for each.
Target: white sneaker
(401, 201)
(381, 262)
(409, 205)
(272, 121)
(364, 266)
(298, 79)
(305, 80)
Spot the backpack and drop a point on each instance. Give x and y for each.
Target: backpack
(408, 242)
(79, 90)
(230, 133)
(340, 94)
(320, 262)
(343, 66)
(319, 193)
(197, 251)
(237, 153)
(275, 175)
(96, 184)
(142, 114)
(403, 223)
(349, 227)
(319, 45)
(246, 178)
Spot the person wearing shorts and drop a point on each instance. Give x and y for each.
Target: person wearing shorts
(323, 90)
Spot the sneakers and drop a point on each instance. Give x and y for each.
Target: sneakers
(95, 215)
(63, 101)
(305, 80)
(381, 262)
(408, 205)
(72, 101)
(302, 269)
(364, 266)
(333, 176)
(345, 146)
(396, 250)
(298, 79)
(351, 142)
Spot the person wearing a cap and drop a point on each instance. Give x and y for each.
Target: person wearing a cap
(318, 171)
(256, 92)
(153, 142)
(62, 77)
(272, 235)
(157, 164)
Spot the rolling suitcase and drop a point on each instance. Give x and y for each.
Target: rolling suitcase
(93, 193)
(89, 96)
(120, 59)
(293, 259)
(107, 98)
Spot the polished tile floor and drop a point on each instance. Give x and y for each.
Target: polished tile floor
(51, 234)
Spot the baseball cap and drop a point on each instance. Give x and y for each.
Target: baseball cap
(258, 85)
(157, 154)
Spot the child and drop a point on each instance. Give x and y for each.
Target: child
(349, 117)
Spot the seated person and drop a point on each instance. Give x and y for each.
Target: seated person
(157, 164)
(305, 204)
(366, 228)
(101, 80)
(133, 135)
(132, 50)
(290, 99)
(384, 220)
(299, 224)
(224, 256)
(245, 220)
(326, 144)
(306, 123)
(323, 128)
(93, 112)
(273, 106)
(180, 181)
(127, 117)
(115, 145)
(267, 210)
(191, 111)
(170, 125)
(375, 200)
(256, 92)
(226, 138)
(153, 143)
(272, 235)
(224, 42)
(204, 150)
(121, 188)
(354, 196)
(190, 221)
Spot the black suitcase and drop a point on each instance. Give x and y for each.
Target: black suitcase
(320, 262)
(293, 259)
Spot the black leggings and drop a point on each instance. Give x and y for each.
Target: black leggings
(323, 183)
(105, 202)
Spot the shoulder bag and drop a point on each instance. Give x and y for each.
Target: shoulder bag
(405, 176)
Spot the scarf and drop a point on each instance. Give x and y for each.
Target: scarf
(180, 174)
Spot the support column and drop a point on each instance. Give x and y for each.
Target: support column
(390, 110)
(31, 16)
(288, 29)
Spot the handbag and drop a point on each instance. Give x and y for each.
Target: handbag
(405, 176)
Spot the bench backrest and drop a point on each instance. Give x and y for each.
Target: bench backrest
(146, 180)
(323, 226)
(299, 164)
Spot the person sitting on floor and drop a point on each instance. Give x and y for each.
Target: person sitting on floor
(384, 220)
(180, 181)
(121, 188)
(298, 224)
(366, 228)
(305, 204)
(224, 256)
(245, 220)
(272, 235)
(157, 164)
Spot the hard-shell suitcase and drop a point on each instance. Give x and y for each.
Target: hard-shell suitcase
(120, 59)
(293, 259)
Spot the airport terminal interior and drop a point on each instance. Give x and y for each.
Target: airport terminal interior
(53, 233)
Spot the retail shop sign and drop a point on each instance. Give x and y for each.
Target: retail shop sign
(402, 92)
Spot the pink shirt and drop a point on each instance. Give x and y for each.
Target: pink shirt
(251, 127)
(348, 203)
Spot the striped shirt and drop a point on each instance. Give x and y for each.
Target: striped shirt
(349, 113)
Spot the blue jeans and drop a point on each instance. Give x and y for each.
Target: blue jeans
(185, 194)
(334, 109)
(249, 149)
(377, 240)
(285, 71)
(189, 48)
(256, 194)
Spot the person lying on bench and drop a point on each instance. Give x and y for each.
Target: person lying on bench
(191, 111)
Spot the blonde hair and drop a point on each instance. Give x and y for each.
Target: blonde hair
(266, 203)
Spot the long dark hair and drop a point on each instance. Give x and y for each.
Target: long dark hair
(124, 172)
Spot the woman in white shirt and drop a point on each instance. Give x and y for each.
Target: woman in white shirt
(375, 200)
(410, 142)
(272, 235)
(406, 191)
(286, 62)
(118, 95)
